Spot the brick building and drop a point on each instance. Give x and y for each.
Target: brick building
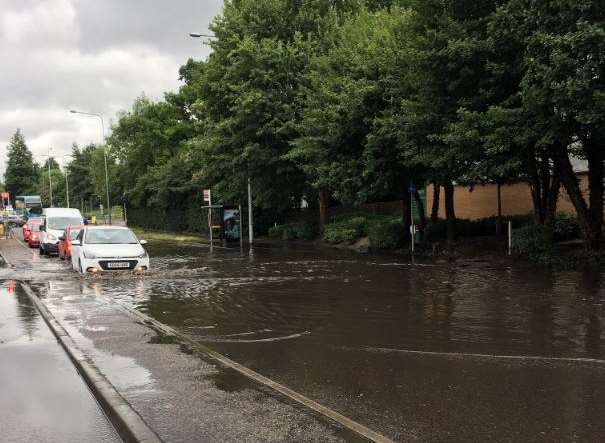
(481, 201)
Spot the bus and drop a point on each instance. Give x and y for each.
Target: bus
(28, 205)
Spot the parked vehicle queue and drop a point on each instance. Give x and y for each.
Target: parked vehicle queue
(91, 248)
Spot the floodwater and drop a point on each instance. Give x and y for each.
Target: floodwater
(42, 397)
(463, 351)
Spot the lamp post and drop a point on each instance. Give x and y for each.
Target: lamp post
(50, 181)
(199, 35)
(100, 117)
(250, 216)
(66, 181)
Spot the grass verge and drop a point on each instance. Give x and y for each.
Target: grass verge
(168, 236)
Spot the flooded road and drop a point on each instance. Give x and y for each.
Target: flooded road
(464, 351)
(415, 351)
(42, 397)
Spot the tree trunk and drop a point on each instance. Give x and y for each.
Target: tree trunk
(552, 200)
(545, 176)
(570, 182)
(421, 209)
(324, 201)
(536, 189)
(595, 187)
(499, 220)
(450, 215)
(435, 206)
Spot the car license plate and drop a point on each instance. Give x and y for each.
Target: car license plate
(118, 265)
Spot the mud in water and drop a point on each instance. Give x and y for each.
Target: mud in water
(460, 351)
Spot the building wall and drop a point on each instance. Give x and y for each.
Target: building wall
(482, 200)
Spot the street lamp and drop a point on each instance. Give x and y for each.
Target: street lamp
(50, 182)
(250, 222)
(199, 34)
(66, 181)
(100, 117)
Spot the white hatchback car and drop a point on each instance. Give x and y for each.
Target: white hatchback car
(108, 248)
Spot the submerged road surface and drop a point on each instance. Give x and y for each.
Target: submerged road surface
(467, 351)
(42, 397)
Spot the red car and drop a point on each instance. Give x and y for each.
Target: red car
(27, 227)
(70, 234)
(33, 238)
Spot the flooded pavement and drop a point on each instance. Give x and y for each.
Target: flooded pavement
(42, 397)
(464, 351)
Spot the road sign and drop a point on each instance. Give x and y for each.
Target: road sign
(207, 195)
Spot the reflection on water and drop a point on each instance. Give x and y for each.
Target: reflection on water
(470, 307)
(14, 304)
(333, 326)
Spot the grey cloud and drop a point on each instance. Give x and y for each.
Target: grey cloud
(92, 55)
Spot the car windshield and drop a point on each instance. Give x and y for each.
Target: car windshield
(110, 236)
(60, 223)
(34, 228)
(73, 234)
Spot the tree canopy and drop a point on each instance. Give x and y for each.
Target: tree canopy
(21, 175)
(352, 101)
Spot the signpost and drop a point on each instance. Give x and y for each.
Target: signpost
(208, 199)
(412, 190)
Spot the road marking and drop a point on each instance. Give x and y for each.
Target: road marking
(485, 356)
(259, 340)
(241, 334)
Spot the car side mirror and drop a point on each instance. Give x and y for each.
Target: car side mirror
(76, 243)
(42, 228)
(143, 242)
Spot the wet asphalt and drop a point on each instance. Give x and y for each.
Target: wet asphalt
(42, 397)
(464, 351)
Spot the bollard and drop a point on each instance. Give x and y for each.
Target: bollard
(510, 238)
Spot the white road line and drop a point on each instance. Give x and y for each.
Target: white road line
(260, 340)
(486, 356)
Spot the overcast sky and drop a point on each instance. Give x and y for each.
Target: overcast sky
(91, 55)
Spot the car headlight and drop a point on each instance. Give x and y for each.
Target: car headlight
(88, 254)
(142, 254)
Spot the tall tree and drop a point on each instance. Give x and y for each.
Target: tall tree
(445, 72)
(100, 181)
(342, 147)
(80, 177)
(21, 176)
(563, 86)
(250, 98)
(151, 134)
(57, 180)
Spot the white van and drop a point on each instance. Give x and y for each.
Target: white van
(55, 222)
